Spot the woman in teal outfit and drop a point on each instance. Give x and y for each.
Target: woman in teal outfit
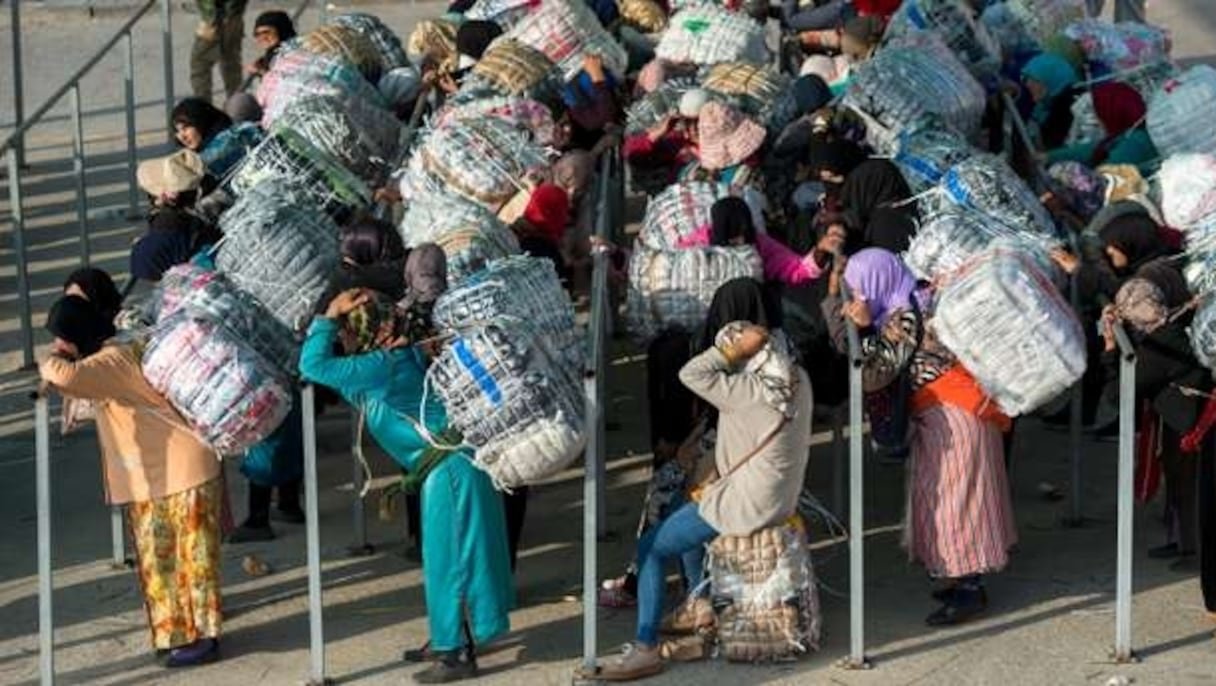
(1121, 111)
(466, 571)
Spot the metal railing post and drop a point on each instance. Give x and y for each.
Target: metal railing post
(46, 589)
(14, 22)
(128, 73)
(316, 630)
(17, 209)
(360, 546)
(1127, 428)
(118, 543)
(78, 167)
(857, 532)
(166, 33)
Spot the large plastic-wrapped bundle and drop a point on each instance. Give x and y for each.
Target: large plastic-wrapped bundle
(954, 23)
(566, 31)
(325, 122)
(673, 288)
(483, 160)
(1010, 327)
(678, 211)
(1203, 333)
(519, 288)
(950, 236)
(765, 594)
(1121, 46)
(505, 13)
(1179, 118)
(280, 249)
(645, 16)
(205, 294)
(527, 116)
(1008, 30)
(925, 154)
(297, 73)
(709, 35)
(309, 172)
(1042, 19)
(1187, 185)
(505, 394)
(469, 235)
(343, 43)
(904, 85)
(514, 68)
(1085, 127)
(387, 44)
(232, 397)
(985, 183)
(755, 90)
(647, 111)
(1200, 269)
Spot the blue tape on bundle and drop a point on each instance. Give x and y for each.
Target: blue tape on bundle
(924, 168)
(954, 186)
(915, 18)
(480, 375)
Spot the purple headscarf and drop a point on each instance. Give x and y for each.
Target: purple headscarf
(881, 279)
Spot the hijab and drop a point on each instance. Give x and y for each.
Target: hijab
(737, 300)
(158, 250)
(548, 211)
(426, 275)
(1051, 70)
(98, 289)
(202, 115)
(882, 280)
(372, 326)
(474, 36)
(731, 218)
(1135, 235)
(811, 93)
(890, 228)
(773, 366)
(872, 185)
(836, 155)
(80, 323)
(1062, 46)
(1120, 108)
(279, 21)
(1153, 297)
(573, 171)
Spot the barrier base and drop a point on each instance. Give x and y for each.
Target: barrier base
(319, 682)
(127, 563)
(850, 665)
(1131, 658)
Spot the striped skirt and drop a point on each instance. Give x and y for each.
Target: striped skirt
(959, 512)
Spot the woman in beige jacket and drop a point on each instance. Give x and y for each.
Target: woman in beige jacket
(764, 403)
(153, 464)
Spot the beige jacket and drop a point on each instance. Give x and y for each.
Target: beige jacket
(148, 451)
(765, 490)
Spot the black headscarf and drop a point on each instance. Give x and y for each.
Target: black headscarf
(474, 36)
(159, 249)
(98, 288)
(202, 115)
(737, 300)
(78, 322)
(731, 218)
(1165, 274)
(889, 228)
(1138, 237)
(279, 21)
(868, 198)
(835, 155)
(811, 93)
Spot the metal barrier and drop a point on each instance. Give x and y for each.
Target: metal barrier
(1127, 466)
(316, 628)
(857, 531)
(42, 490)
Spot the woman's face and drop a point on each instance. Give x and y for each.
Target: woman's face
(75, 289)
(189, 136)
(1036, 89)
(1118, 259)
(834, 239)
(829, 176)
(266, 37)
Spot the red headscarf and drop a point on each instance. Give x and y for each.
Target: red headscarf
(549, 210)
(880, 8)
(1120, 108)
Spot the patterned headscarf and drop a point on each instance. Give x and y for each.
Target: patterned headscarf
(1141, 303)
(773, 366)
(371, 326)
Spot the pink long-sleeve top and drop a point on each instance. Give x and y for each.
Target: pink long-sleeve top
(780, 263)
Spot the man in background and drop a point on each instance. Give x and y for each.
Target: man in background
(217, 40)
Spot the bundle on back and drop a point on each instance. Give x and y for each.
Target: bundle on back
(678, 211)
(953, 22)
(672, 288)
(708, 34)
(755, 90)
(365, 147)
(347, 44)
(566, 31)
(1179, 118)
(308, 173)
(386, 43)
(515, 68)
(469, 234)
(296, 73)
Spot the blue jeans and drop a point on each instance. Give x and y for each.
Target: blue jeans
(683, 535)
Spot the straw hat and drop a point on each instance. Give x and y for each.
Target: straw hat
(178, 173)
(726, 136)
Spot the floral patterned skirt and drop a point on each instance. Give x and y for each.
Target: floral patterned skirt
(177, 545)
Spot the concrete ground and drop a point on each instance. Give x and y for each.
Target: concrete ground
(1051, 620)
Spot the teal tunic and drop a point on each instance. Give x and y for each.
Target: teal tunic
(465, 562)
(1133, 147)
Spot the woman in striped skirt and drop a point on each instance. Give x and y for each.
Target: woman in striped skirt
(959, 521)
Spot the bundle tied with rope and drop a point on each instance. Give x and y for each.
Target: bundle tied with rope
(672, 288)
(516, 68)
(387, 44)
(566, 31)
(365, 148)
(297, 72)
(952, 21)
(469, 234)
(348, 44)
(679, 210)
(709, 34)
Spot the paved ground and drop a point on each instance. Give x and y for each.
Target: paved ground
(1051, 621)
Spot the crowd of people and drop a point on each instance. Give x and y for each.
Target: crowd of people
(800, 193)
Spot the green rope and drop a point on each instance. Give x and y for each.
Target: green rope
(432, 456)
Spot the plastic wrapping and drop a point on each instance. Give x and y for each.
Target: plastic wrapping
(280, 249)
(505, 13)
(469, 235)
(527, 116)
(925, 154)
(1010, 327)
(566, 31)
(1120, 46)
(673, 288)
(765, 594)
(387, 44)
(347, 44)
(1200, 270)
(754, 90)
(1042, 19)
(709, 35)
(678, 211)
(1179, 114)
(953, 22)
(986, 184)
(1187, 185)
(905, 86)
(297, 73)
(514, 68)
(325, 122)
(308, 173)
(1203, 333)
(230, 395)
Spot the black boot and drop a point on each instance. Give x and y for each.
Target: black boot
(966, 601)
(454, 665)
(289, 509)
(256, 526)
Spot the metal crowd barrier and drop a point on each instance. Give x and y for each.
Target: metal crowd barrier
(857, 531)
(1127, 468)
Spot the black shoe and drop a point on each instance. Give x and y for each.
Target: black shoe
(200, 652)
(456, 665)
(963, 606)
(944, 594)
(419, 655)
(251, 533)
(288, 515)
(1164, 552)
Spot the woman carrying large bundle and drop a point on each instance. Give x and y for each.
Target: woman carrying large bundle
(153, 464)
(960, 518)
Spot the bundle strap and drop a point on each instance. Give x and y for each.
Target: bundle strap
(432, 457)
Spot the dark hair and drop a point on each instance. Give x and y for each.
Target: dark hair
(367, 240)
(277, 20)
(202, 115)
(731, 218)
(98, 288)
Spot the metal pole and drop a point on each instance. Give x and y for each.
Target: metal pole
(1127, 427)
(360, 546)
(118, 545)
(14, 21)
(78, 165)
(166, 32)
(857, 532)
(23, 278)
(838, 457)
(129, 95)
(42, 485)
(1074, 420)
(600, 291)
(316, 633)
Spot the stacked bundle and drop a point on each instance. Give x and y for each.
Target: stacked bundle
(231, 396)
(904, 86)
(433, 41)
(985, 183)
(664, 101)
(1009, 326)
(673, 288)
(514, 68)
(646, 16)
(566, 31)
(347, 44)
(297, 73)
(325, 122)
(679, 210)
(506, 395)
(1178, 115)
(469, 235)
(505, 13)
(1042, 19)
(954, 23)
(755, 90)
(765, 594)
(386, 43)
(309, 173)
(280, 249)
(709, 34)
(1187, 187)
(527, 116)
(948, 238)
(1120, 47)
(925, 154)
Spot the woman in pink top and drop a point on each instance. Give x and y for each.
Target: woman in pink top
(731, 224)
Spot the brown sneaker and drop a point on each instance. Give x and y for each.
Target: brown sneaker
(684, 649)
(634, 662)
(689, 617)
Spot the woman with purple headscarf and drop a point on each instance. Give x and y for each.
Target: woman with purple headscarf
(960, 517)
